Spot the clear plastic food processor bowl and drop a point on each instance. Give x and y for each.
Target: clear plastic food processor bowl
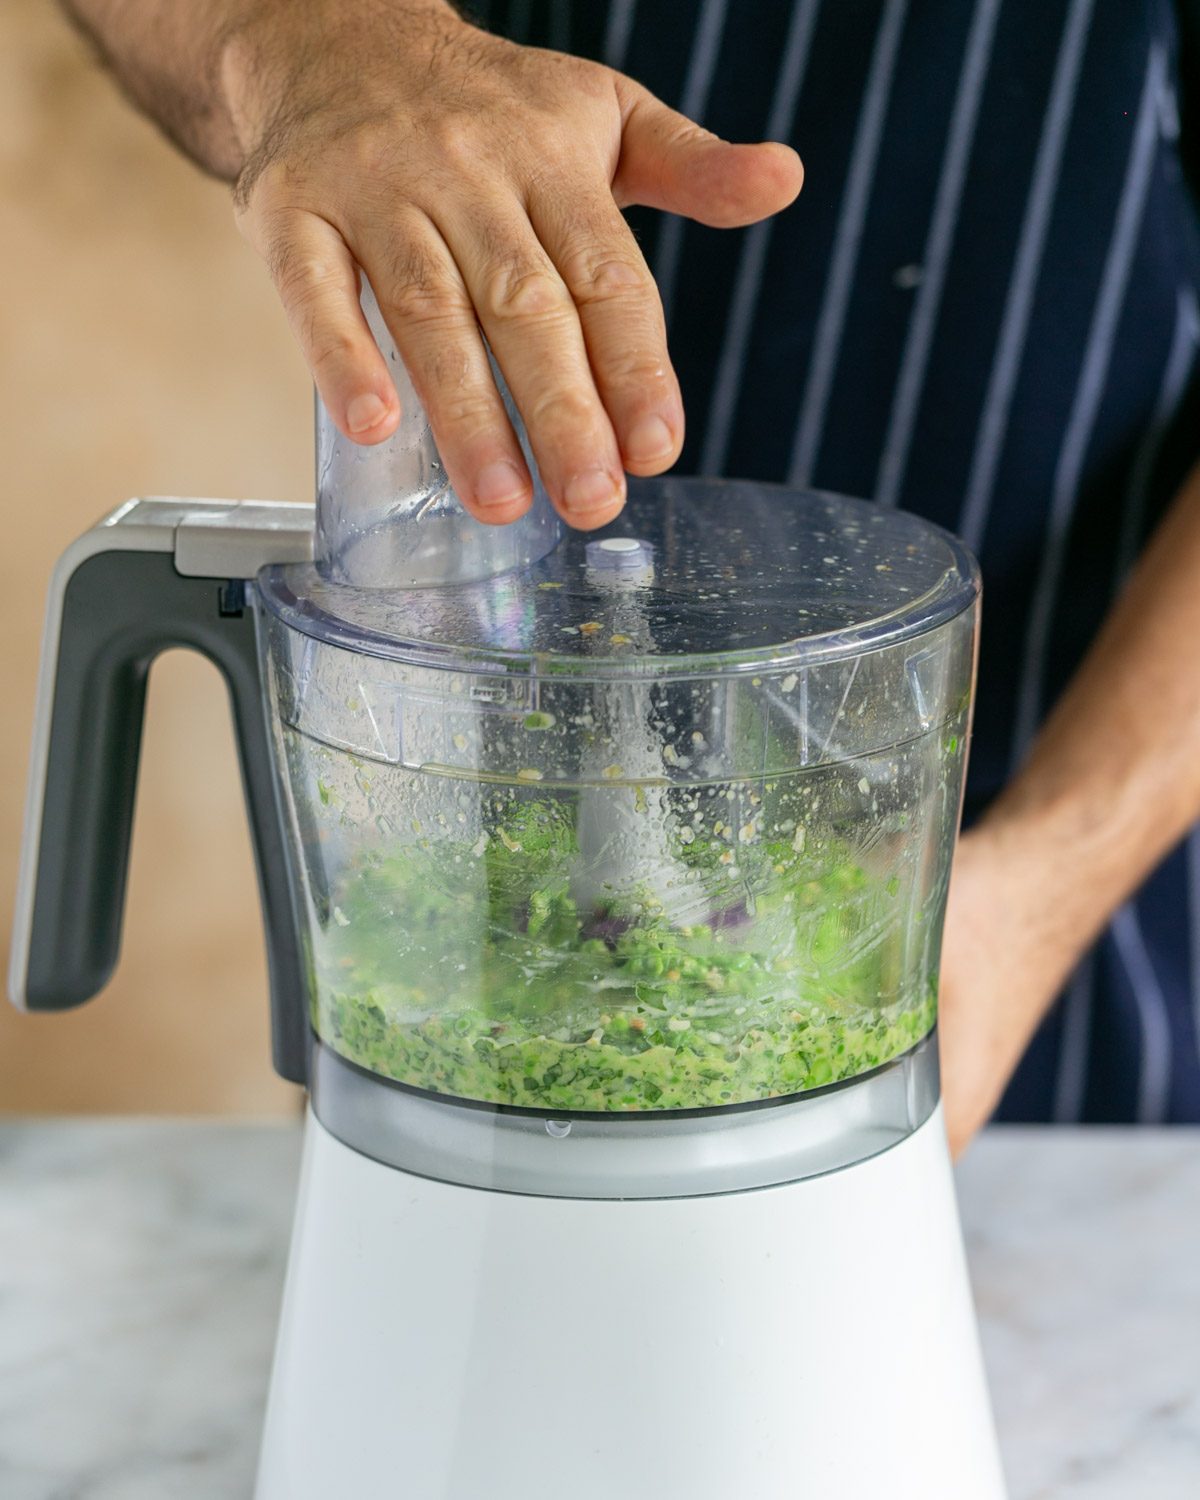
(660, 822)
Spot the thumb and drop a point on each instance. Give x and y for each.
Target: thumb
(669, 162)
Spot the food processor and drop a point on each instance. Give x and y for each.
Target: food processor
(603, 879)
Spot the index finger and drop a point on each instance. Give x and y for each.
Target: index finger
(317, 280)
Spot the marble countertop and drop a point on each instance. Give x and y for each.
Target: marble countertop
(141, 1264)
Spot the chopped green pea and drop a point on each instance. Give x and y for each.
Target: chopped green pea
(472, 971)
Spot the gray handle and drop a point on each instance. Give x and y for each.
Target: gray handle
(113, 612)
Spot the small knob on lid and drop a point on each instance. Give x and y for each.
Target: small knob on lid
(622, 553)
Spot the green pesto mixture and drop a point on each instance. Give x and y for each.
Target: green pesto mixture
(470, 970)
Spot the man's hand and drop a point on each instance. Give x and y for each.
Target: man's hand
(478, 185)
(1001, 969)
(1111, 783)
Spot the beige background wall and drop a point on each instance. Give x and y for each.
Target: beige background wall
(141, 352)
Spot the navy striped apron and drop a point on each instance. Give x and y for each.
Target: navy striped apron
(984, 308)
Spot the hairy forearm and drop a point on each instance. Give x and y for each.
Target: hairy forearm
(168, 59)
(1113, 780)
(208, 71)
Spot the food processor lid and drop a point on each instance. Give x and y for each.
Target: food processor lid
(694, 576)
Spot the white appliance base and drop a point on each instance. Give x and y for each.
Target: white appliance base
(446, 1343)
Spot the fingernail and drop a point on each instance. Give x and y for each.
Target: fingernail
(650, 439)
(500, 483)
(590, 490)
(365, 412)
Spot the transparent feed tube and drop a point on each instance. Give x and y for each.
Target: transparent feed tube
(386, 514)
(576, 895)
